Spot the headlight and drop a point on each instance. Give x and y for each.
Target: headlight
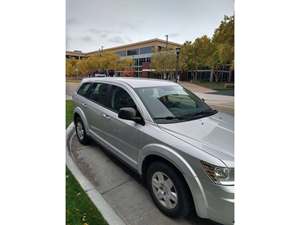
(219, 175)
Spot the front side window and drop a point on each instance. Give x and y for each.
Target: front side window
(120, 99)
(170, 104)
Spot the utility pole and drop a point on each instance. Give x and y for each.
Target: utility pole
(165, 75)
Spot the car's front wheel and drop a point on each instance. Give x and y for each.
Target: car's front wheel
(168, 190)
(81, 132)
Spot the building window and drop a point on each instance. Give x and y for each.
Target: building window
(141, 61)
(121, 53)
(133, 52)
(146, 50)
(136, 62)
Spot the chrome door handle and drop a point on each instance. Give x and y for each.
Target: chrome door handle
(106, 116)
(83, 104)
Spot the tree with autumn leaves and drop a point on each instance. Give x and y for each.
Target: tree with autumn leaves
(210, 53)
(163, 61)
(203, 53)
(101, 62)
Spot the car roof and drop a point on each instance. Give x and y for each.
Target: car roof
(132, 81)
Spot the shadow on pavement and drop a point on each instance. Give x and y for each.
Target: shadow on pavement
(223, 92)
(192, 219)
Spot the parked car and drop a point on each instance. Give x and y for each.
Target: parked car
(99, 75)
(181, 147)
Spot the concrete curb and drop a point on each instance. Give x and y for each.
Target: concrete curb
(107, 212)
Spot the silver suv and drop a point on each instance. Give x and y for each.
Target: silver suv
(182, 148)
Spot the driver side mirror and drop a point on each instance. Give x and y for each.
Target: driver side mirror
(129, 113)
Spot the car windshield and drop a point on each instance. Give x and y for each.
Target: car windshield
(173, 103)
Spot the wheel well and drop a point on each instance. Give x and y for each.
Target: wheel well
(154, 158)
(76, 115)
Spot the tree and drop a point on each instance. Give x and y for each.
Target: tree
(164, 61)
(108, 61)
(186, 57)
(104, 62)
(124, 64)
(93, 63)
(203, 50)
(70, 67)
(223, 39)
(213, 53)
(82, 66)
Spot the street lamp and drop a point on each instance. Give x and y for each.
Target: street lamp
(167, 40)
(177, 61)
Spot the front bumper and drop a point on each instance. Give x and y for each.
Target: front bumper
(220, 203)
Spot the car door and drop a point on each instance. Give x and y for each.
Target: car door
(96, 107)
(124, 134)
(80, 99)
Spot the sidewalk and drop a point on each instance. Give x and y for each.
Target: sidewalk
(195, 88)
(221, 102)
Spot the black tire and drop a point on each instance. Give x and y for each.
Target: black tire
(82, 138)
(184, 200)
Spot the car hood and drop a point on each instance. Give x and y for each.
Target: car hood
(213, 134)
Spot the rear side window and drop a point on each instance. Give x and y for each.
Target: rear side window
(99, 93)
(104, 95)
(83, 90)
(94, 92)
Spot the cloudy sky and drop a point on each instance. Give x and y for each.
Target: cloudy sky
(91, 24)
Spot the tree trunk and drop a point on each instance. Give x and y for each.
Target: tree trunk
(211, 79)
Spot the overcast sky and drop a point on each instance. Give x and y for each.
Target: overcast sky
(92, 23)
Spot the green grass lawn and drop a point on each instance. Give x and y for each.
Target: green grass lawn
(79, 208)
(69, 112)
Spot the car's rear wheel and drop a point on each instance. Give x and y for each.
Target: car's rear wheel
(81, 132)
(168, 190)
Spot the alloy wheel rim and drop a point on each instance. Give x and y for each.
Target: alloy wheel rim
(164, 190)
(80, 130)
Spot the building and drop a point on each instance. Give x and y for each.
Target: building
(141, 53)
(75, 55)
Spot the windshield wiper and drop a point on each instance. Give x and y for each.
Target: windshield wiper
(185, 117)
(203, 113)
